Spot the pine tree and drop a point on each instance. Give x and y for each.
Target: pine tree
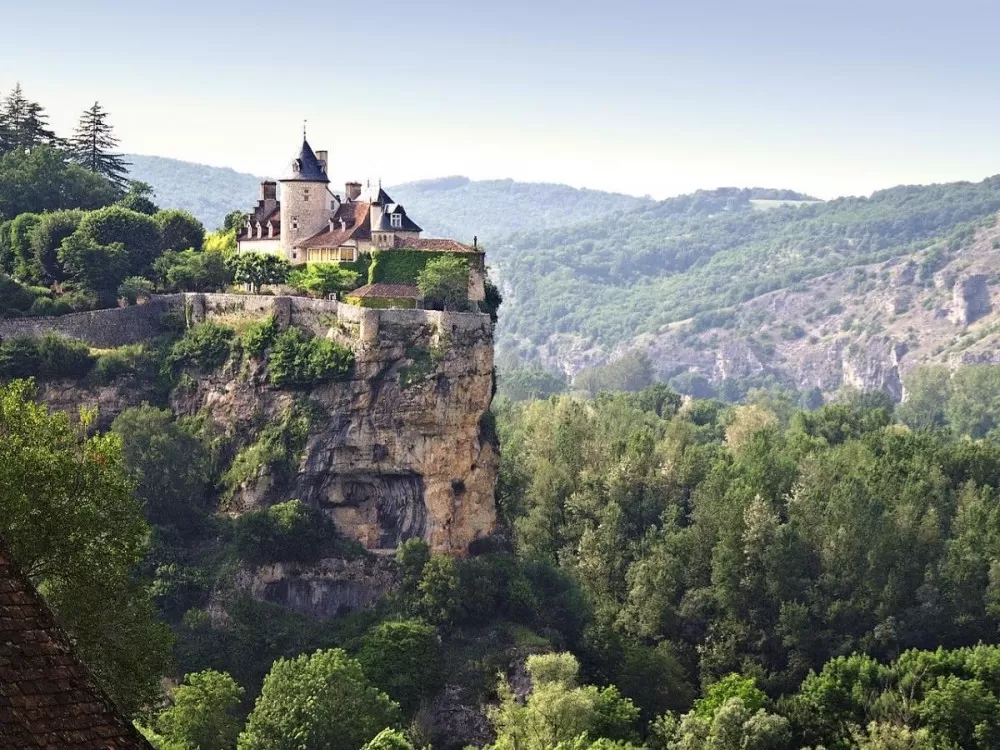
(23, 123)
(92, 146)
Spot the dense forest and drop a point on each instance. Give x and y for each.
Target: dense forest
(672, 574)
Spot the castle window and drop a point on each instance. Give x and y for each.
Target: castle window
(305, 195)
(396, 220)
(295, 222)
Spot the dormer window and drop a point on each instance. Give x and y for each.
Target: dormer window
(297, 165)
(396, 220)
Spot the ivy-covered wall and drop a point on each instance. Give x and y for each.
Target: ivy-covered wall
(399, 266)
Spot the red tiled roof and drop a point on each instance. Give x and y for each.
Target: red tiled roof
(381, 290)
(357, 220)
(435, 245)
(48, 698)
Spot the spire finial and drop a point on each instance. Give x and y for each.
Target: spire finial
(304, 129)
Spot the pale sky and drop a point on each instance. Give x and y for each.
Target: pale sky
(636, 96)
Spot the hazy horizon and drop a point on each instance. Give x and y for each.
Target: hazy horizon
(647, 99)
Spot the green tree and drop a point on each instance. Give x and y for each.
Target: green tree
(41, 180)
(170, 466)
(323, 279)
(193, 271)
(179, 230)
(92, 147)
(23, 123)
(389, 739)
(47, 236)
(203, 712)
(733, 726)
(321, 700)
(137, 233)
(61, 494)
(558, 710)
(139, 198)
(928, 389)
(257, 269)
(403, 658)
(134, 288)
(445, 279)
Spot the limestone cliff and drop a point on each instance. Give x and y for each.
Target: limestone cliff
(402, 447)
(399, 449)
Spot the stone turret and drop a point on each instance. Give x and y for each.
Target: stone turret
(305, 201)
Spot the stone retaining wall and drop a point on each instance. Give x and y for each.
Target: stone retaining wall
(106, 329)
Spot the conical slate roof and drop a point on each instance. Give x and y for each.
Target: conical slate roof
(305, 167)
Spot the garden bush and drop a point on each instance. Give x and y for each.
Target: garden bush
(298, 360)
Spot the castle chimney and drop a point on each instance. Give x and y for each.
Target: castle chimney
(321, 158)
(268, 190)
(352, 190)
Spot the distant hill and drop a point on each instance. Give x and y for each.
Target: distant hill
(704, 273)
(446, 207)
(207, 192)
(462, 208)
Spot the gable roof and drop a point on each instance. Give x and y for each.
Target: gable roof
(305, 167)
(382, 290)
(48, 698)
(357, 221)
(435, 245)
(406, 224)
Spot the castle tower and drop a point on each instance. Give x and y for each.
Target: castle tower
(305, 199)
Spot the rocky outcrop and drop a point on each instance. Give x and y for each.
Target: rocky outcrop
(970, 299)
(331, 587)
(400, 449)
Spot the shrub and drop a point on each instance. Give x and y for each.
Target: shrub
(259, 337)
(286, 532)
(299, 360)
(63, 358)
(205, 346)
(51, 356)
(135, 288)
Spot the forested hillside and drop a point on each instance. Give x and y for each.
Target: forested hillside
(491, 209)
(448, 207)
(606, 281)
(209, 193)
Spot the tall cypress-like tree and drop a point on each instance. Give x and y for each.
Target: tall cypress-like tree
(93, 143)
(23, 123)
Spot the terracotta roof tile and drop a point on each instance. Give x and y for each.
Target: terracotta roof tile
(382, 290)
(356, 218)
(48, 698)
(435, 245)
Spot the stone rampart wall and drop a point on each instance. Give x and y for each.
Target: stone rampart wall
(104, 329)
(119, 326)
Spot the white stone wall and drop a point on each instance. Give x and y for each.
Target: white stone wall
(261, 246)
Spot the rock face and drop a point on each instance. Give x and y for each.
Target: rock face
(970, 300)
(403, 448)
(330, 588)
